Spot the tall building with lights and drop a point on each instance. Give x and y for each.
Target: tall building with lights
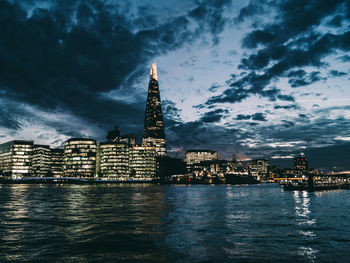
(153, 134)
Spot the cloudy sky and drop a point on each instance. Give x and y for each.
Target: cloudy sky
(261, 79)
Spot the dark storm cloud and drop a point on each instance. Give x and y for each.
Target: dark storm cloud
(304, 79)
(243, 117)
(345, 58)
(336, 73)
(214, 87)
(284, 48)
(66, 56)
(253, 8)
(259, 117)
(336, 21)
(286, 107)
(213, 116)
(212, 13)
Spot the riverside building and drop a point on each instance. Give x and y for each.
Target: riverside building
(197, 156)
(80, 158)
(259, 168)
(153, 134)
(15, 158)
(57, 162)
(113, 160)
(41, 161)
(143, 164)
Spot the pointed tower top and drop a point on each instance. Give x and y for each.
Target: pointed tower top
(154, 72)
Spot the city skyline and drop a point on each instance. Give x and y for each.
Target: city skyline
(262, 80)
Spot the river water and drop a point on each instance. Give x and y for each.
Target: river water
(165, 223)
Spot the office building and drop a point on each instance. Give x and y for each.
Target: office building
(196, 156)
(113, 160)
(57, 162)
(259, 168)
(41, 161)
(15, 158)
(143, 164)
(80, 157)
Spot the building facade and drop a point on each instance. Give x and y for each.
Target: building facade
(41, 161)
(259, 168)
(153, 134)
(16, 158)
(197, 156)
(143, 164)
(113, 160)
(57, 162)
(80, 157)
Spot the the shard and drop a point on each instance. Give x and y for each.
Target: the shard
(154, 127)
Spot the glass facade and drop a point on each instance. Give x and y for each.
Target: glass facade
(80, 158)
(153, 134)
(57, 162)
(41, 161)
(15, 158)
(142, 162)
(113, 160)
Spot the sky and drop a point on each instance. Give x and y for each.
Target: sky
(261, 79)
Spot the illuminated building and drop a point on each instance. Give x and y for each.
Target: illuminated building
(57, 162)
(142, 162)
(15, 158)
(80, 158)
(114, 160)
(41, 161)
(153, 134)
(300, 162)
(196, 156)
(259, 168)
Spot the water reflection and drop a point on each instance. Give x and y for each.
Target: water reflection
(305, 224)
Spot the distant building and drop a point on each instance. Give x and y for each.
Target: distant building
(142, 162)
(211, 167)
(41, 161)
(129, 139)
(197, 156)
(113, 160)
(113, 136)
(15, 158)
(259, 168)
(300, 162)
(153, 134)
(80, 157)
(57, 162)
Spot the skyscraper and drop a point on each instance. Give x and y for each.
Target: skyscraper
(153, 134)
